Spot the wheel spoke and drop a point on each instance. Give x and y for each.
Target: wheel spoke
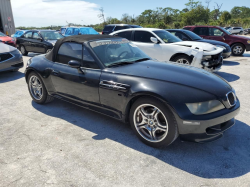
(143, 112)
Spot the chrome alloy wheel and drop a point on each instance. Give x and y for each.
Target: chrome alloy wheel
(183, 61)
(150, 123)
(237, 49)
(35, 86)
(22, 50)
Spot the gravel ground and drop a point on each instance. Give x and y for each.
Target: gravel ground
(60, 144)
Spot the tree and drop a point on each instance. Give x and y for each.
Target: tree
(225, 16)
(192, 4)
(215, 14)
(101, 15)
(126, 18)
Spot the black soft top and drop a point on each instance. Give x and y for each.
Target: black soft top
(76, 39)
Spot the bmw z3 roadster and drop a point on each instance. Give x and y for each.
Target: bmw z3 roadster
(110, 75)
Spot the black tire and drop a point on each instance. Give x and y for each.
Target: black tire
(23, 50)
(236, 49)
(187, 59)
(172, 132)
(45, 98)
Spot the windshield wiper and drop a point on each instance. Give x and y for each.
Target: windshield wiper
(120, 63)
(142, 59)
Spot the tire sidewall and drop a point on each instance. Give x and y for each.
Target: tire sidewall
(172, 125)
(25, 52)
(184, 57)
(44, 96)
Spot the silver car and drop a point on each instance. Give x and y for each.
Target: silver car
(10, 58)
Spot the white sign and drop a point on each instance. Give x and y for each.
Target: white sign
(9, 18)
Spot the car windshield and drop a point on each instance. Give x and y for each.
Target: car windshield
(114, 51)
(51, 35)
(192, 35)
(2, 34)
(167, 37)
(226, 31)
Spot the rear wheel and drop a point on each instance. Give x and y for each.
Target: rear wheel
(153, 122)
(23, 50)
(183, 59)
(238, 49)
(37, 89)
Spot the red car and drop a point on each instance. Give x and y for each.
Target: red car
(238, 44)
(7, 40)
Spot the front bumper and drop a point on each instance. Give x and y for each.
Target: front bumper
(202, 131)
(247, 47)
(226, 54)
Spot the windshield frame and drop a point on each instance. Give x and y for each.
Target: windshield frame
(225, 31)
(40, 32)
(105, 65)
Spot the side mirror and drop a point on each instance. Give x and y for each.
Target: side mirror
(40, 39)
(74, 64)
(154, 40)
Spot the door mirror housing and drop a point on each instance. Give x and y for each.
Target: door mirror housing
(154, 40)
(40, 39)
(74, 64)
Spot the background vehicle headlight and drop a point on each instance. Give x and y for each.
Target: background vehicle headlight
(205, 107)
(221, 47)
(28, 63)
(248, 41)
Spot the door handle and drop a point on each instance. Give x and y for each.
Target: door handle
(56, 73)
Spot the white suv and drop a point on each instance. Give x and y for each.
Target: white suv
(236, 30)
(163, 46)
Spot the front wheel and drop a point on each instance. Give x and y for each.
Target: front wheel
(23, 50)
(153, 122)
(183, 59)
(238, 49)
(37, 89)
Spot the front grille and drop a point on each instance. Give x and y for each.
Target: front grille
(231, 98)
(5, 56)
(216, 57)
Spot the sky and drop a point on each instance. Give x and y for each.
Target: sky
(59, 12)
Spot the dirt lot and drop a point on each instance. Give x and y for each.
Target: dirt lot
(60, 144)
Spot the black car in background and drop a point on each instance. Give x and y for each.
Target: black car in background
(187, 35)
(110, 75)
(116, 27)
(37, 41)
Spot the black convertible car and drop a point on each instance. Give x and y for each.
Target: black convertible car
(109, 75)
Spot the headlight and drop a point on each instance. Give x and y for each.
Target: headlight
(221, 47)
(206, 57)
(28, 62)
(205, 107)
(248, 41)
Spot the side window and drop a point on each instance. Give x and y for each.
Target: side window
(181, 36)
(36, 35)
(28, 35)
(201, 31)
(69, 51)
(117, 28)
(215, 32)
(88, 60)
(143, 36)
(69, 31)
(126, 34)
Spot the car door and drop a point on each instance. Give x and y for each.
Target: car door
(26, 40)
(215, 34)
(38, 43)
(142, 40)
(201, 31)
(77, 84)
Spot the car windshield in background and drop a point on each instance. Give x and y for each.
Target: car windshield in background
(2, 34)
(226, 31)
(108, 28)
(116, 51)
(88, 30)
(192, 35)
(167, 37)
(51, 35)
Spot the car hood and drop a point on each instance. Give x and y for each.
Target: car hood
(240, 37)
(6, 48)
(214, 42)
(5, 38)
(176, 73)
(204, 46)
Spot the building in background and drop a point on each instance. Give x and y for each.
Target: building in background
(7, 24)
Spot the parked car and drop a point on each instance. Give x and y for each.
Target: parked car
(62, 30)
(18, 33)
(10, 58)
(7, 40)
(247, 31)
(163, 46)
(236, 30)
(116, 27)
(238, 44)
(186, 35)
(110, 75)
(227, 28)
(79, 31)
(38, 41)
